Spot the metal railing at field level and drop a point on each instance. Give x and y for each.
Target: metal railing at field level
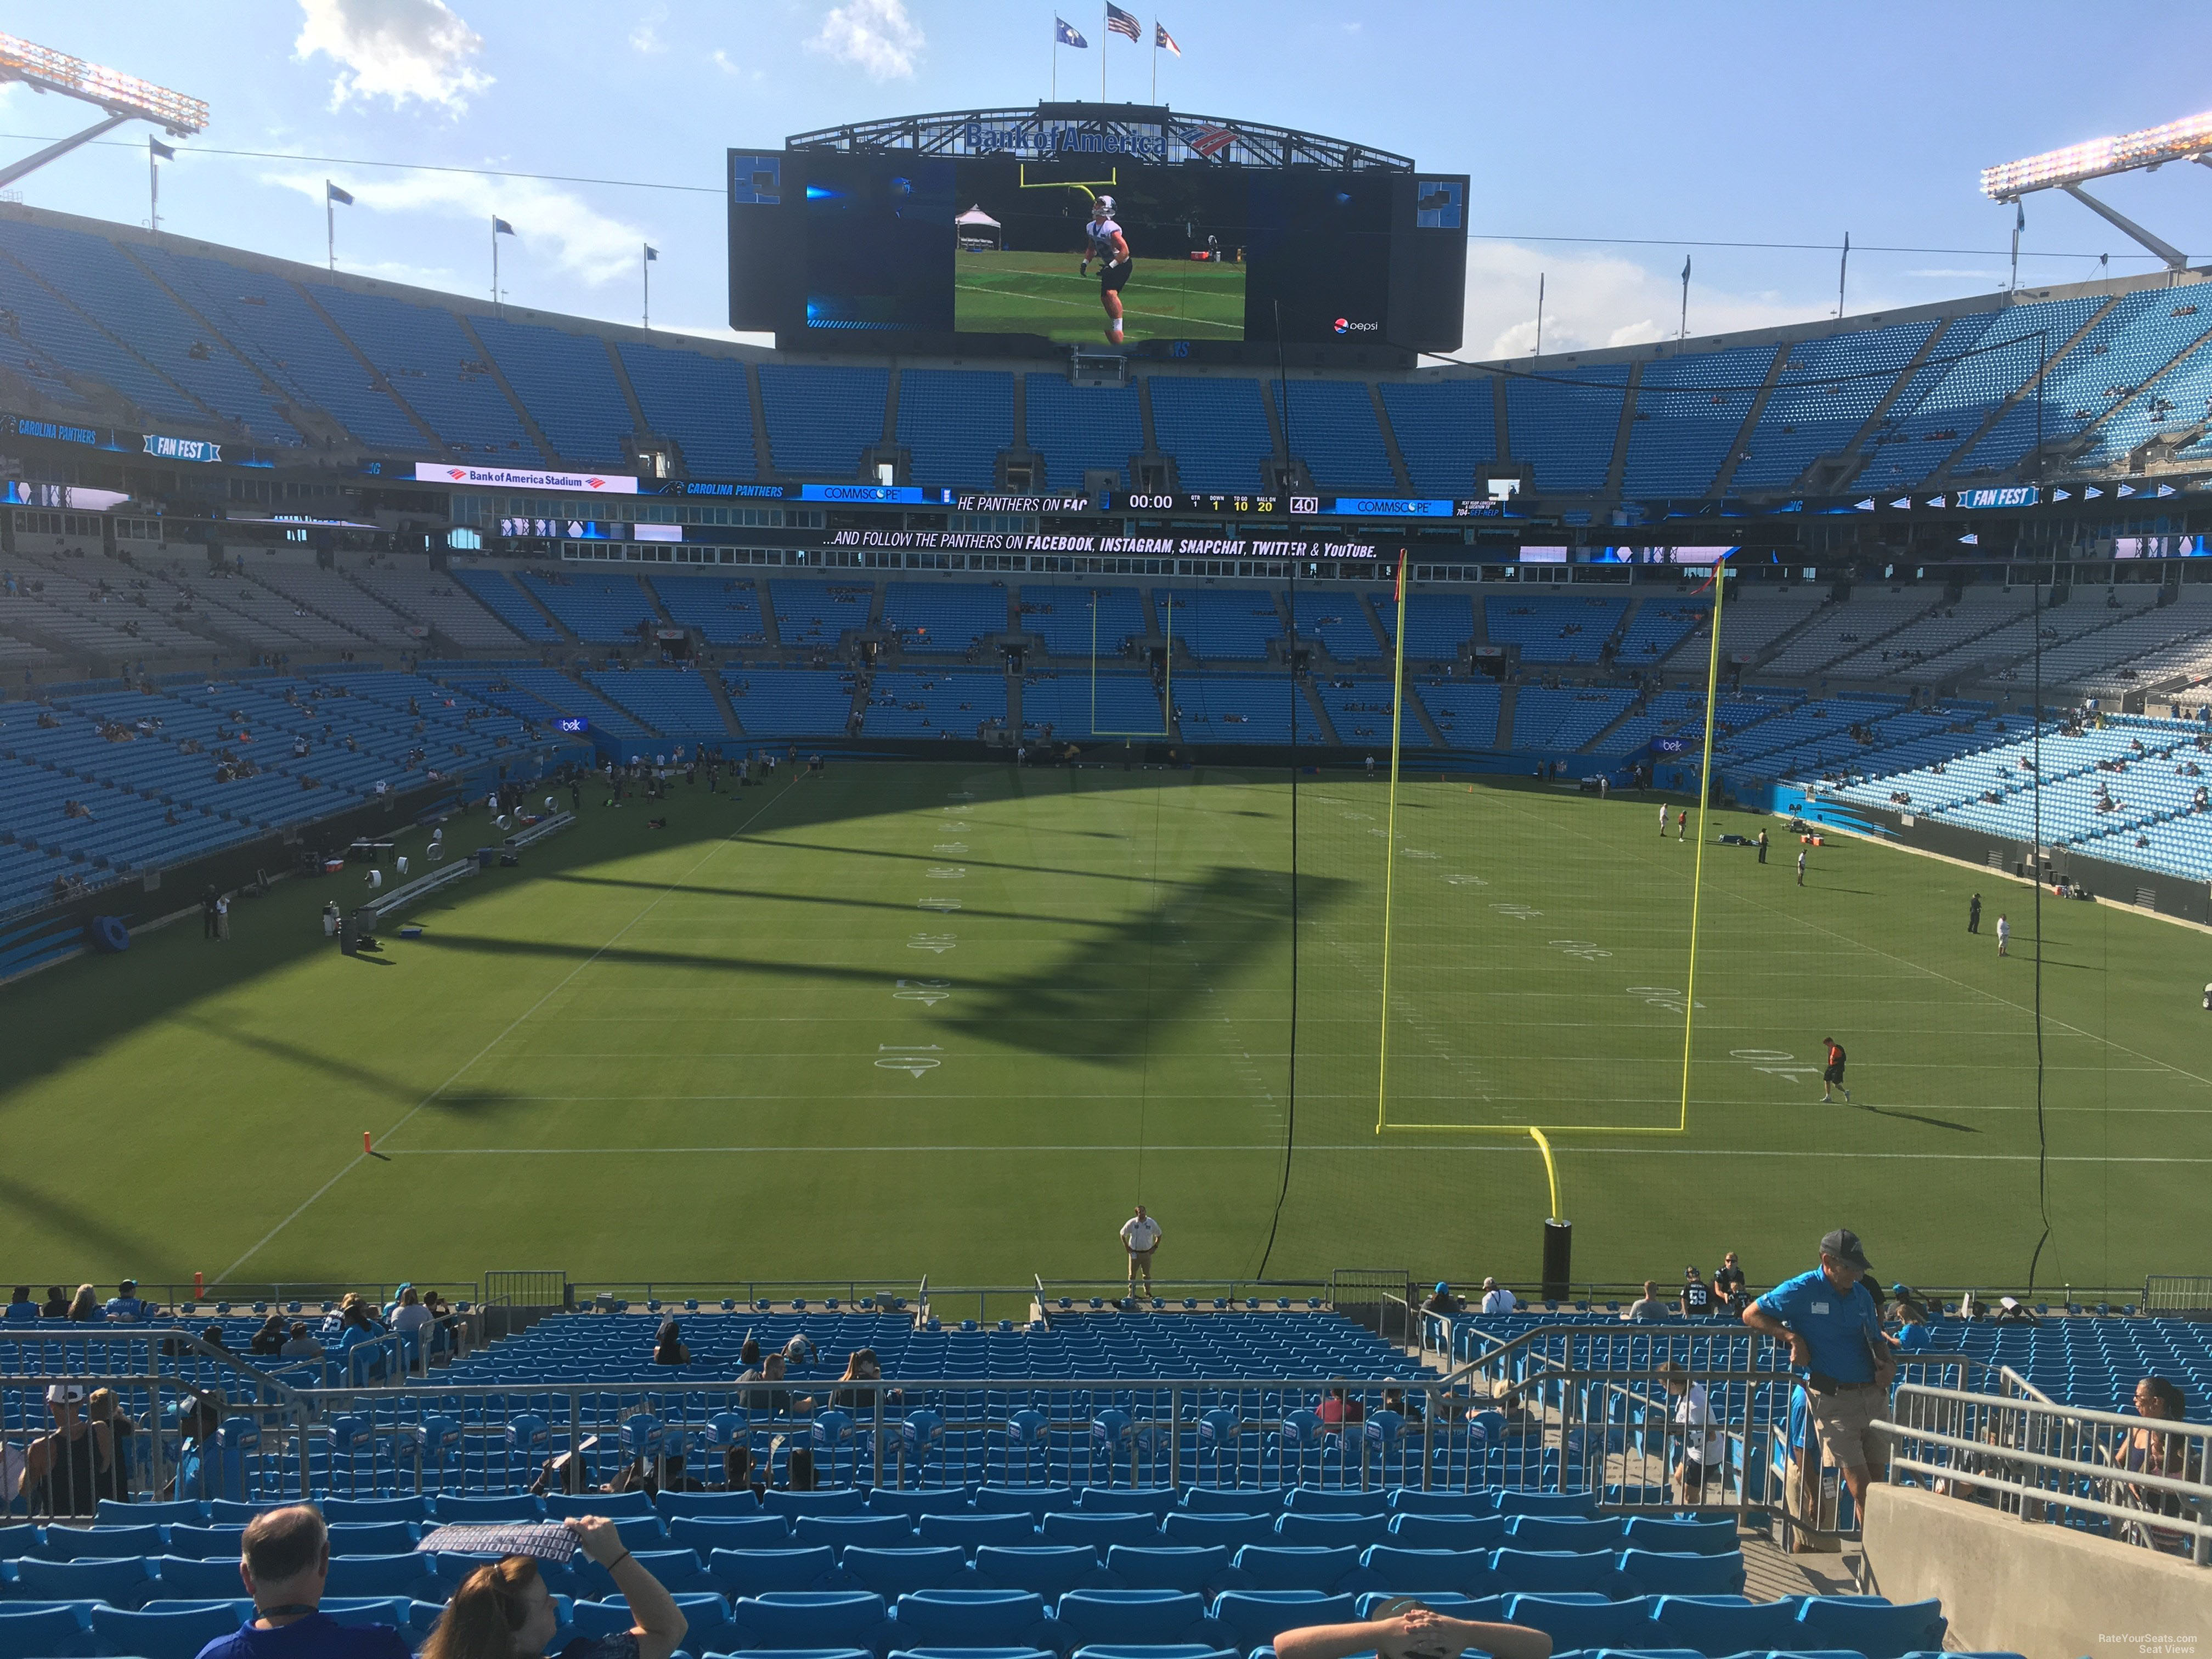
(2141, 1480)
(2178, 1293)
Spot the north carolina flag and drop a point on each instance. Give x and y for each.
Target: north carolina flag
(160, 150)
(500, 228)
(1064, 35)
(1123, 22)
(332, 193)
(651, 252)
(1161, 37)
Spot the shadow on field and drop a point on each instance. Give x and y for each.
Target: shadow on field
(1198, 937)
(1917, 1117)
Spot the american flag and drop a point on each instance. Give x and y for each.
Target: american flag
(1123, 22)
(1161, 37)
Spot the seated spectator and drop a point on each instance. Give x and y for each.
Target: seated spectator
(409, 1318)
(1914, 1333)
(299, 1343)
(799, 1474)
(57, 1303)
(738, 1471)
(1497, 1299)
(1337, 1409)
(21, 1311)
(211, 1334)
(204, 1469)
(861, 1366)
(284, 1559)
(269, 1339)
(1697, 1295)
(1441, 1300)
(1410, 1631)
(504, 1611)
(359, 1339)
(126, 1307)
(668, 1347)
(62, 1468)
(1647, 1307)
(676, 1474)
(113, 1429)
(84, 1309)
(1411, 1406)
(2012, 1311)
(776, 1402)
(800, 1350)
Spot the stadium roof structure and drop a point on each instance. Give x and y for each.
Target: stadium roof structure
(1149, 131)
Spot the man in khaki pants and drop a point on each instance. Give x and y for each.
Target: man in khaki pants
(1140, 1235)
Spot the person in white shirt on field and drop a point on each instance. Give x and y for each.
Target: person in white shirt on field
(1140, 1237)
(1497, 1299)
(2004, 936)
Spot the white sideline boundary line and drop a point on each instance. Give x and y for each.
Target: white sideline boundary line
(359, 1159)
(1124, 1149)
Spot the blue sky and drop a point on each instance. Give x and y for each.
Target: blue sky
(1605, 140)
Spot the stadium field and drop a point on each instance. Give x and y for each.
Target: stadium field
(956, 1019)
(1044, 293)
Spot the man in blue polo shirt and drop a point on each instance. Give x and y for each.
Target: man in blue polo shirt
(1833, 1327)
(284, 1560)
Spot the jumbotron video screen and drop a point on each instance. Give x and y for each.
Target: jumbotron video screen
(831, 248)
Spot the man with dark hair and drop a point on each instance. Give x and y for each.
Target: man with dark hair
(284, 1559)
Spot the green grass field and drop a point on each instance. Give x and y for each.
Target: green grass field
(1044, 293)
(957, 1019)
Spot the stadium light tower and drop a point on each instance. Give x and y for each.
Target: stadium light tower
(123, 97)
(2186, 140)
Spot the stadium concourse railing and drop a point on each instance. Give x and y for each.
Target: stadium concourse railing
(2141, 1480)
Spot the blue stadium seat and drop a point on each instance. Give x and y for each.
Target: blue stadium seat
(676, 1570)
(374, 1538)
(1447, 1532)
(1231, 1531)
(787, 1618)
(1539, 1573)
(1727, 1623)
(1560, 1532)
(1410, 1500)
(462, 1509)
(1870, 1626)
(758, 1572)
(57, 1633)
(178, 1635)
(114, 1513)
(1254, 1618)
(1234, 1500)
(972, 1619)
(1653, 1532)
(80, 1543)
(1413, 1570)
(1036, 1502)
(1202, 1571)
(1322, 1500)
(1050, 1571)
(406, 1574)
(707, 1533)
(123, 1583)
(1513, 1500)
(1188, 1650)
(1155, 1501)
(187, 1578)
(1101, 1530)
(915, 1503)
(1124, 1618)
(969, 1531)
(1329, 1530)
(879, 1531)
(844, 1500)
(1572, 1623)
(676, 1506)
(891, 1573)
(1297, 1567)
(615, 1506)
(350, 1509)
(1685, 1574)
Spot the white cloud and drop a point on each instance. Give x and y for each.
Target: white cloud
(394, 49)
(1597, 300)
(720, 60)
(548, 221)
(645, 34)
(876, 37)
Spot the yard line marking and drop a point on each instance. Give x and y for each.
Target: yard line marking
(360, 1157)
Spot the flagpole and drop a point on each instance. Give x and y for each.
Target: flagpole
(154, 186)
(330, 225)
(1102, 57)
(1155, 60)
(494, 262)
(645, 270)
(1055, 63)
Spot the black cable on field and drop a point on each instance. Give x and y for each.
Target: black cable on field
(1290, 662)
(2042, 1137)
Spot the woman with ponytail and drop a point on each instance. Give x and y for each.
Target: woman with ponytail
(504, 1611)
